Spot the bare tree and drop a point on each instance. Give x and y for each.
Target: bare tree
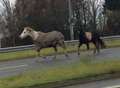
(95, 11)
(112, 11)
(8, 14)
(44, 14)
(88, 13)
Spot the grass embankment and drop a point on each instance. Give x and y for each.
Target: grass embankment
(32, 53)
(48, 77)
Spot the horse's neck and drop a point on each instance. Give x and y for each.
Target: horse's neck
(38, 35)
(34, 35)
(82, 33)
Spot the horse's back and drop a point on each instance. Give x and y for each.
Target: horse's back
(54, 35)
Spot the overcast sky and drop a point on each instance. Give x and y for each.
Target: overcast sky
(12, 1)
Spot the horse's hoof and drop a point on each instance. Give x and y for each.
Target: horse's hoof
(37, 61)
(94, 53)
(44, 57)
(54, 58)
(103, 47)
(66, 55)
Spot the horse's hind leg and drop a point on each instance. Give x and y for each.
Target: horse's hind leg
(94, 51)
(97, 47)
(79, 48)
(65, 50)
(62, 44)
(56, 50)
(101, 42)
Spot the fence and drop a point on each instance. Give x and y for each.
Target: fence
(28, 47)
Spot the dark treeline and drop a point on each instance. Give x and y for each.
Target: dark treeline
(48, 15)
(112, 11)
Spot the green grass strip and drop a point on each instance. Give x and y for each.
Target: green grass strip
(81, 70)
(44, 52)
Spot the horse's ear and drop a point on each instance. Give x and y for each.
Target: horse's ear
(29, 29)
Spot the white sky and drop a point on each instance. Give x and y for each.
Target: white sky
(12, 1)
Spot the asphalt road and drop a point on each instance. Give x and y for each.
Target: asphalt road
(11, 68)
(113, 83)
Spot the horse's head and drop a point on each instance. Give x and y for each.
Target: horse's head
(26, 32)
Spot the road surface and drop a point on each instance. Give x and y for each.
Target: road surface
(11, 68)
(113, 83)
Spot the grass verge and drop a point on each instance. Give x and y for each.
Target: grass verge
(47, 78)
(32, 53)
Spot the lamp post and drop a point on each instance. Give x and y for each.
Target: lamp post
(70, 20)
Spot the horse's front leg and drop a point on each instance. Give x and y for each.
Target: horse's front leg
(87, 46)
(94, 50)
(98, 47)
(79, 48)
(37, 54)
(62, 44)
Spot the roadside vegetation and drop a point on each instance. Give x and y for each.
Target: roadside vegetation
(46, 78)
(31, 53)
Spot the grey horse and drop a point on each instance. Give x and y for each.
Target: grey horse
(45, 40)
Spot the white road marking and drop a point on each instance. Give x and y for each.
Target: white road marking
(116, 86)
(13, 67)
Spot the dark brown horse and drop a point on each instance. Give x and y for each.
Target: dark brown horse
(87, 37)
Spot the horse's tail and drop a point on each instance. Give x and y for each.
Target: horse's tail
(102, 43)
